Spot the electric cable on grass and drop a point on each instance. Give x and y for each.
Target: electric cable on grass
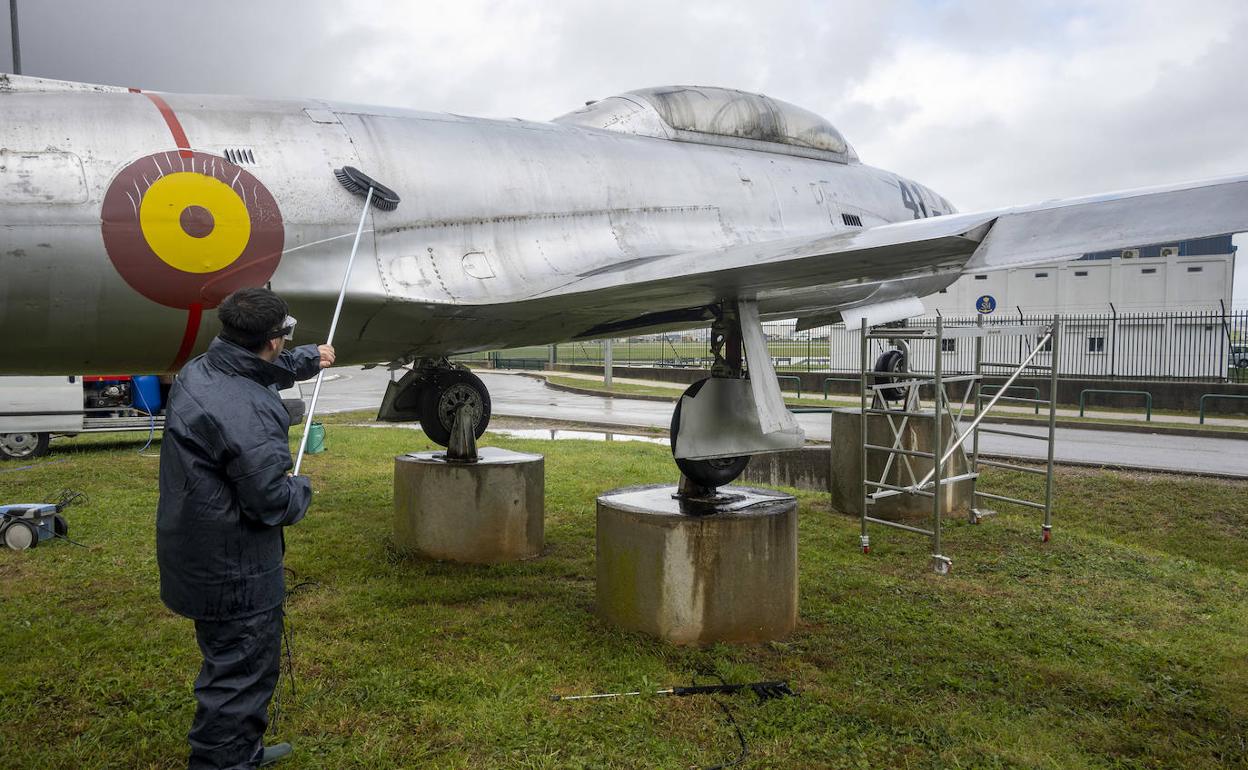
(732, 721)
(151, 422)
(287, 661)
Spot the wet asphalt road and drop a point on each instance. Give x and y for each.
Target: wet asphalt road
(517, 396)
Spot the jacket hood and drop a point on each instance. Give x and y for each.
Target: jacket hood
(234, 359)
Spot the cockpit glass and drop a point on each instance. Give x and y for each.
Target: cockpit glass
(724, 112)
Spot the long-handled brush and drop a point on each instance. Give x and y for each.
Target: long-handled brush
(382, 198)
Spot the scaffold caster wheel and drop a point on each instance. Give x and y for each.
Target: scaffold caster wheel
(1045, 534)
(941, 565)
(866, 544)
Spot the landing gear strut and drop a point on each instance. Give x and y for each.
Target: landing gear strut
(433, 392)
(726, 347)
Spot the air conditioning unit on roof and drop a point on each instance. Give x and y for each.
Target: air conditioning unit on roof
(1130, 253)
(1169, 251)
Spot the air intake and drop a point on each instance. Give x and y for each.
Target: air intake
(240, 157)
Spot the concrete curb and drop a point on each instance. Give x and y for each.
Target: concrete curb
(1126, 428)
(599, 393)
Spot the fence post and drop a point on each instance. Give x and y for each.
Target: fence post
(1224, 368)
(1113, 341)
(606, 363)
(830, 331)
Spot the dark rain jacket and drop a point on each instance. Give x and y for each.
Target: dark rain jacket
(224, 492)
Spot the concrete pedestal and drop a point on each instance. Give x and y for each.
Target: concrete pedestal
(694, 573)
(479, 513)
(845, 479)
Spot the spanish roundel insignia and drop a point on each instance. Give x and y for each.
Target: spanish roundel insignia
(187, 228)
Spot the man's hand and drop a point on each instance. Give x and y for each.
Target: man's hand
(327, 355)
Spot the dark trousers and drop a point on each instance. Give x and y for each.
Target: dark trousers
(233, 689)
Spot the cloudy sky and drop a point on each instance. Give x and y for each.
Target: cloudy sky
(990, 102)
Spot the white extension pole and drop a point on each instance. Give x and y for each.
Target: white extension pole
(333, 326)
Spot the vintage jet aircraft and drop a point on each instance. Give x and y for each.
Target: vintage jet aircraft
(125, 216)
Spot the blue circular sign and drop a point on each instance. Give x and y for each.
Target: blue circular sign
(986, 304)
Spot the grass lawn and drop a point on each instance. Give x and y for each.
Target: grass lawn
(1123, 643)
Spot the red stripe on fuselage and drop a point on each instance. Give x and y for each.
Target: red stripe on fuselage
(194, 314)
(175, 126)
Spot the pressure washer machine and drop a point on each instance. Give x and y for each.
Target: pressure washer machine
(26, 525)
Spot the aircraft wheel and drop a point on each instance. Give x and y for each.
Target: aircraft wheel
(22, 446)
(891, 361)
(706, 473)
(446, 391)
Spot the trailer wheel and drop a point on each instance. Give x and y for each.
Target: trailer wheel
(23, 446)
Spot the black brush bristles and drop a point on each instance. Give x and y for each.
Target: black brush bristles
(358, 182)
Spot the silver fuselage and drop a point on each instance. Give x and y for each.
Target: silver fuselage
(494, 214)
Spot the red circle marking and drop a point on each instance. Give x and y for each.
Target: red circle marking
(160, 282)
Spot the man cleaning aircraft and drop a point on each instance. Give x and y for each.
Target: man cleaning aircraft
(126, 215)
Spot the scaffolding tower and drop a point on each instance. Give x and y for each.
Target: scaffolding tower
(879, 388)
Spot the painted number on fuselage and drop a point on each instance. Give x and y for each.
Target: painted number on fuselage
(911, 201)
(918, 200)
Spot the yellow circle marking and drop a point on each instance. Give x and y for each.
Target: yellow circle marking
(160, 218)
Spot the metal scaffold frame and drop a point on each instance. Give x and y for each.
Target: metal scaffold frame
(874, 385)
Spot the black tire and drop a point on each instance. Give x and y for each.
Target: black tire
(891, 361)
(23, 446)
(59, 525)
(442, 394)
(706, 473)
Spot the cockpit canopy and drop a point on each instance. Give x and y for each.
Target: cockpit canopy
(719, 116)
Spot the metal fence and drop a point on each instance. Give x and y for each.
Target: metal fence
(1209, 346)
(1202, 346)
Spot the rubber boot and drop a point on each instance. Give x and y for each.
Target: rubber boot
(275, 752)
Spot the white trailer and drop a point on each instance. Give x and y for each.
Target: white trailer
(34, 409)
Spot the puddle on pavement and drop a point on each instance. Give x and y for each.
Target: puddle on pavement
(560, 434)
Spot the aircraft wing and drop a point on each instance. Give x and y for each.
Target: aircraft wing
(826, 273)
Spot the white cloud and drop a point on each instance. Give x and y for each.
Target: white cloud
(1111, 101)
